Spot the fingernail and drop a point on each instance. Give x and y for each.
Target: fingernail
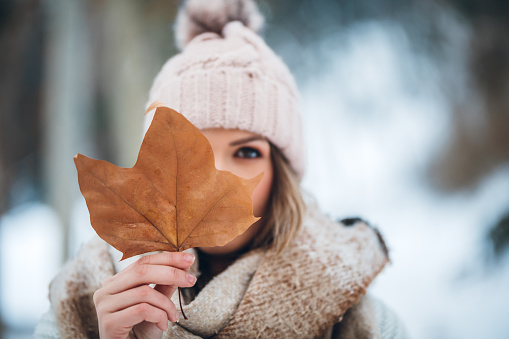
(177, 317)
(191, 278)
(188, 257)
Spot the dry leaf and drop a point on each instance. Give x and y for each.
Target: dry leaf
(172, 199)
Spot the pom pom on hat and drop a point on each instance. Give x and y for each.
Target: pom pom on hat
(200, 16)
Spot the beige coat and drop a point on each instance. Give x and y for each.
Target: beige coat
(301, 293)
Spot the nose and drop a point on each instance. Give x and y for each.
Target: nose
(222, 163)
(219, 163)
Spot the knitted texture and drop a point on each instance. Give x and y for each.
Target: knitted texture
(214, 305)
(368, 319)
(231, 79)
(298, 294)
(311, 284)
(359, 322)
(389, 323)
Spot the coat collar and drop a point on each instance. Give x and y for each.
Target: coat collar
(299, 293)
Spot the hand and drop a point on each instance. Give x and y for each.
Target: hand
(126, 301)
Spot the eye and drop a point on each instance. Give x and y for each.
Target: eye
(247, 153)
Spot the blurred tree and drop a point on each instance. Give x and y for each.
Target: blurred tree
(499, 236)
(480, 137)
(99, 67)
(479, 142)
(479, 102)
(21, 42)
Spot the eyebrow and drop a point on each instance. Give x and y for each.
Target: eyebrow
(246, 140)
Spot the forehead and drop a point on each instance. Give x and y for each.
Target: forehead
(227, 135)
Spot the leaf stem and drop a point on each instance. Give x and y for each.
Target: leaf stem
(180, 302)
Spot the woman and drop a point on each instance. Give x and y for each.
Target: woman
(294, 273)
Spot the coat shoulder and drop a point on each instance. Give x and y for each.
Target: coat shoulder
(368, 318)
(354, 221)
(47, 327)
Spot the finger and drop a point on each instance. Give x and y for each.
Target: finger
(174, 259)
(148, 274)
(180, 260)
(138, 295)
(135, 314)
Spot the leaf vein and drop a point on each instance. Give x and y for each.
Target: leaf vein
(206, 213)
(121, 198)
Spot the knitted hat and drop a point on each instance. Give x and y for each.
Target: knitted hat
(226, 76)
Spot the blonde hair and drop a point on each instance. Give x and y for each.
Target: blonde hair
(285, 211)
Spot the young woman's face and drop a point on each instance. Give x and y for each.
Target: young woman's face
(246, 155)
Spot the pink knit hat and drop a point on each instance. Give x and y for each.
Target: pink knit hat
(226, 76)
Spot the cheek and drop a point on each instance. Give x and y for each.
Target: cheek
(262, 193)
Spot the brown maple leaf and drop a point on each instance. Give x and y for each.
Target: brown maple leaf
(172, 199)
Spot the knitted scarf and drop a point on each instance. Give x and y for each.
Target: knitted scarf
(299, 293)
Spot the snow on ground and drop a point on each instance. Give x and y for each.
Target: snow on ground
(30, 255)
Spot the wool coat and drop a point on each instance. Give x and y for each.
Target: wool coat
(315, 288)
